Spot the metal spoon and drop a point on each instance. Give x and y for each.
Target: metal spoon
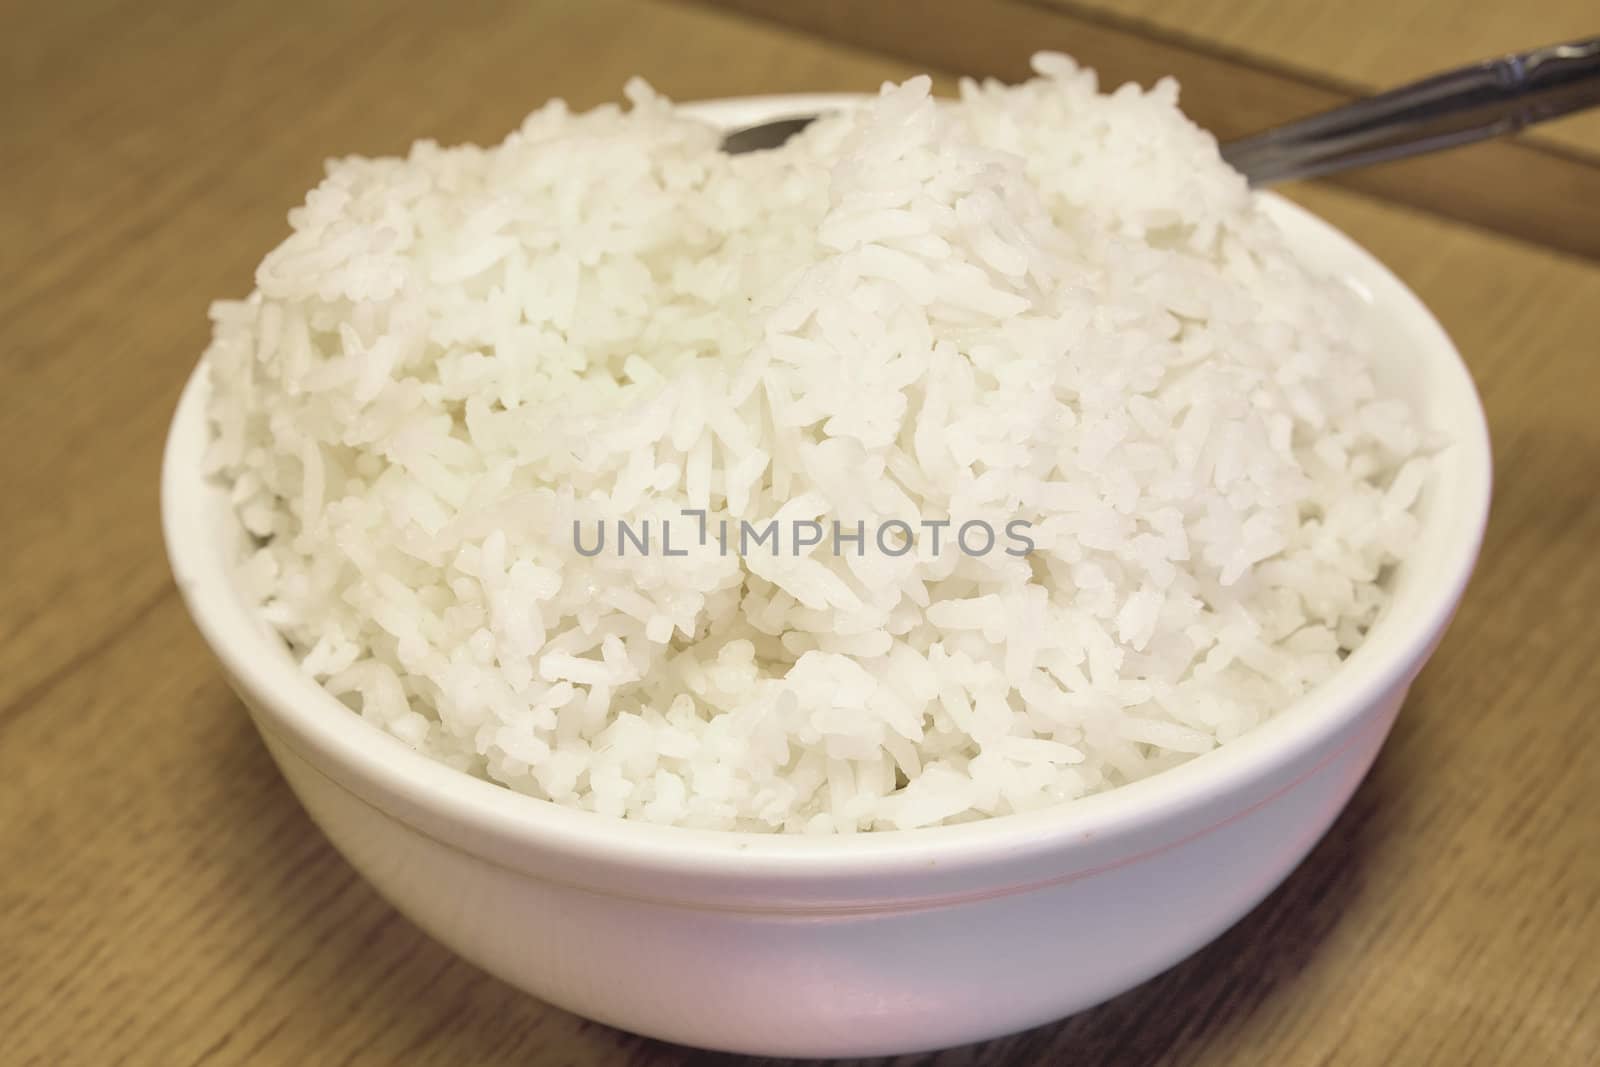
(1474, 103)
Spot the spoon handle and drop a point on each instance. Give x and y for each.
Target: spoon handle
(1484, 100)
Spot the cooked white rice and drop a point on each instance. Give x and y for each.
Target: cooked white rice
(1037, 304)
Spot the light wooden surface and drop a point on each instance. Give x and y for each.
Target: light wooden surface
(164, 901)
(1367, 45)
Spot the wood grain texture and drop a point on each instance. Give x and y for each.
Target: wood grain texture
(1523, 188)
(164, 901)
(1367, 45)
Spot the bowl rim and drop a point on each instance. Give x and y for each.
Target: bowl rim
(378, 768)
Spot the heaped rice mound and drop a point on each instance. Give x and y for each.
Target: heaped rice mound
(1040, 309)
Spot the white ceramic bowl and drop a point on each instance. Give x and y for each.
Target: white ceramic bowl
(876, 943)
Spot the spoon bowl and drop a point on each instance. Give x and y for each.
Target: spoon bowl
(1474, 103)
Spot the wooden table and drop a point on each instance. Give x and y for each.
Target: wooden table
(164, 901)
